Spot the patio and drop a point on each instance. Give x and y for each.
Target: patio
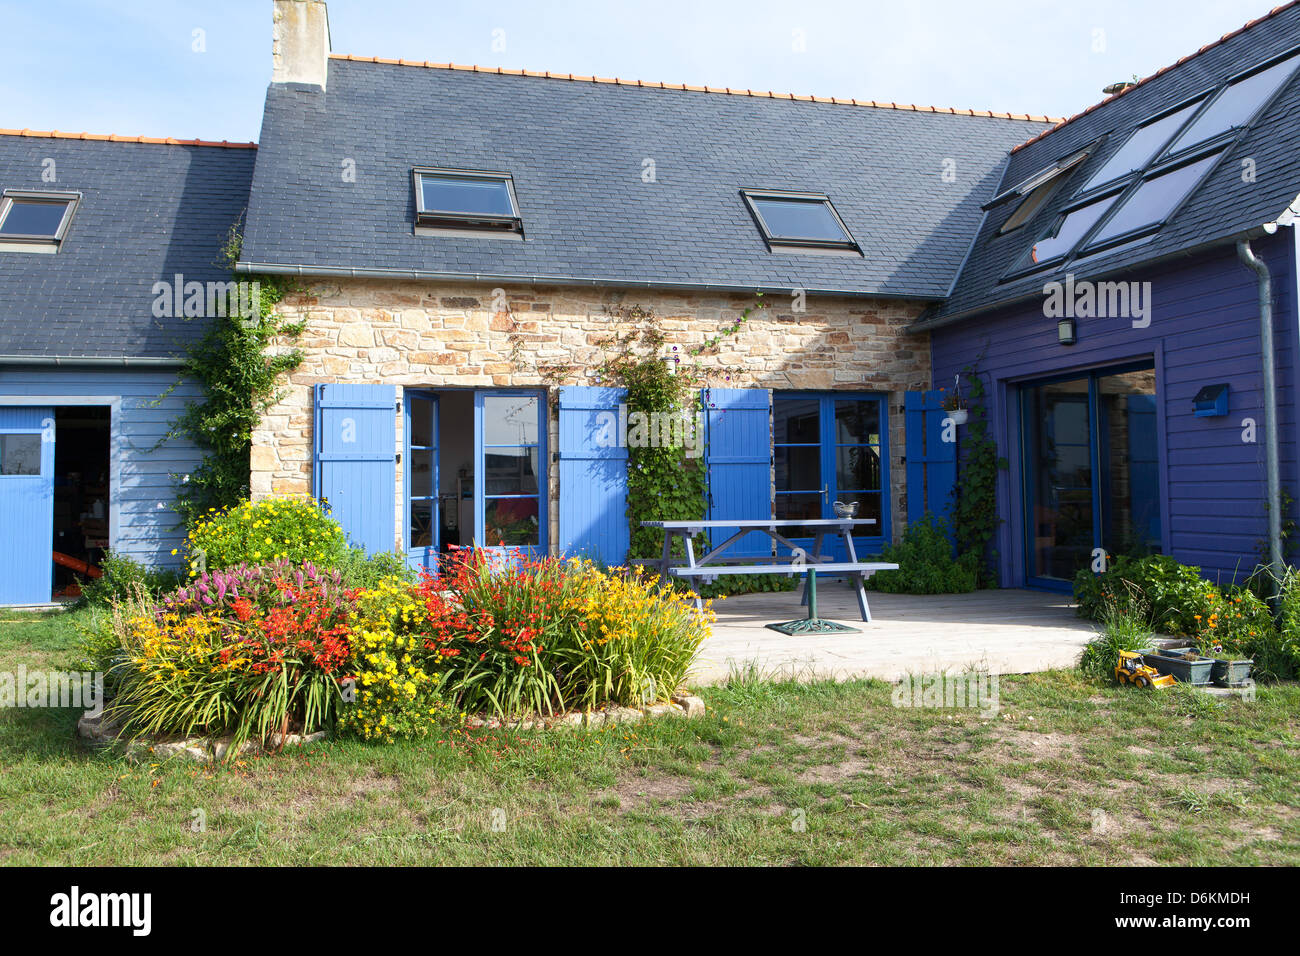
(1003, 631)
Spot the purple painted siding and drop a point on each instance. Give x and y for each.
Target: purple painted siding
(1204, 329)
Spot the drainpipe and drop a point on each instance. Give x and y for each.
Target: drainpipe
(1247, 256)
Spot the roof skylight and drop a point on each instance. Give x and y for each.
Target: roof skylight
(456, 200)
(798, 219)
(1154, 201)
(35, 221)
(1237, 105)
(1139, 149)
(1065, 234)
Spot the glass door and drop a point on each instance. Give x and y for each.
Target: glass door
(1091, 471)
(424, 516)
(510, 433)
(828, 448)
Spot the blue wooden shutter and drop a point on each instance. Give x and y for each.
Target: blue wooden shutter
(931, 461)
(354, 467)
(27, 505)
(593, 475)
(739, 459)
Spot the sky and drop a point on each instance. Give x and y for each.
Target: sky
(198, 69)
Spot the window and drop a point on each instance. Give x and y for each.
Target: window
(828, 448)
(20, 454)
(1237, 105)
(1145, 142)
(798, 219)
(1152, 203)
(1036, 189)
(35, 221)
(1065, 234)
(464, 201)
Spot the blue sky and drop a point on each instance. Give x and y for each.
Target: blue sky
(131, 67)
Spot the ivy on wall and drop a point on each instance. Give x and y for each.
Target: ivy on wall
(240, 383)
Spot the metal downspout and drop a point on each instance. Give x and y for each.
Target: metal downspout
(1247, 256)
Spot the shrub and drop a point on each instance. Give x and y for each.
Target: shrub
(1175, 594)
(395, 665)
(247, 651)
(925, 563)
(260, 532)
(541, 636)
(1125, 627)
(122, 576)
(362, 571)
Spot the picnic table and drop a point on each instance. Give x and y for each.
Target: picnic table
(717, 561)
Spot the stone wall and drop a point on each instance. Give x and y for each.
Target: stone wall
(431, 335)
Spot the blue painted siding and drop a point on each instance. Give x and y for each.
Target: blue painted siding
(142, 520)
(1204, 330)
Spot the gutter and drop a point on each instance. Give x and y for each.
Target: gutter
(348, 272)
(1269, 358)
(96, 360)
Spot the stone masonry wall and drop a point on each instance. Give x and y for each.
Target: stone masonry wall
(431, 335)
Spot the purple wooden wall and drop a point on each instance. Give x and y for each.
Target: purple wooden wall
(1204, 329)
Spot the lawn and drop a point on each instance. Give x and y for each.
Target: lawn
(776, 773)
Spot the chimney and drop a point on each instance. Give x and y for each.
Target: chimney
(300, 42)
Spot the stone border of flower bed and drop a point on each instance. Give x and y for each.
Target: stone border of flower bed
(99, 733)
(681, 705)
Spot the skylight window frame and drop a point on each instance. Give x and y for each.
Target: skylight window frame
(38, 242)
(1168, 155)
(1114, 192)
(1048, 180)
(1199, 100)
(1218, 148)
(783, 244)
(453, 222)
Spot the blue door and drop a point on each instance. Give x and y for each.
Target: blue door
(593, 474)
(26, 504)
(356, 460)
(510, 469)
(422, 481)
(828, 448)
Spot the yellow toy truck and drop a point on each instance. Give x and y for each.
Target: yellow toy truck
(1132, 669)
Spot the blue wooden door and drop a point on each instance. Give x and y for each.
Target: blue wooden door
(355, 460)
(593, 474)
(931, 456)
(26, 504)
(421, 478)
(739, 461)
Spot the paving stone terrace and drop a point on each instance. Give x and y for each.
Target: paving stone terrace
(1003, 631)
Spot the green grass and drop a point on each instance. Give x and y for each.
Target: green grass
(1070, 771)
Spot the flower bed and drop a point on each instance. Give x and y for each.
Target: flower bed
(284, 648)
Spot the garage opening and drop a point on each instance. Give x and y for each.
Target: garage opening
(81, 494)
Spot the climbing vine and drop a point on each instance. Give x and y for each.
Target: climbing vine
(974, 514)
(240, 383)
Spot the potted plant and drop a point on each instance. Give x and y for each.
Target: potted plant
(1230, 669)
(953, 404)
(1187, 664)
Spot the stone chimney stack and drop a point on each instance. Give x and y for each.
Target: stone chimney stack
(300, 42)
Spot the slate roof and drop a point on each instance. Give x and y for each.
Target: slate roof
(1221, 208)
(576, 149)
(150, 209)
